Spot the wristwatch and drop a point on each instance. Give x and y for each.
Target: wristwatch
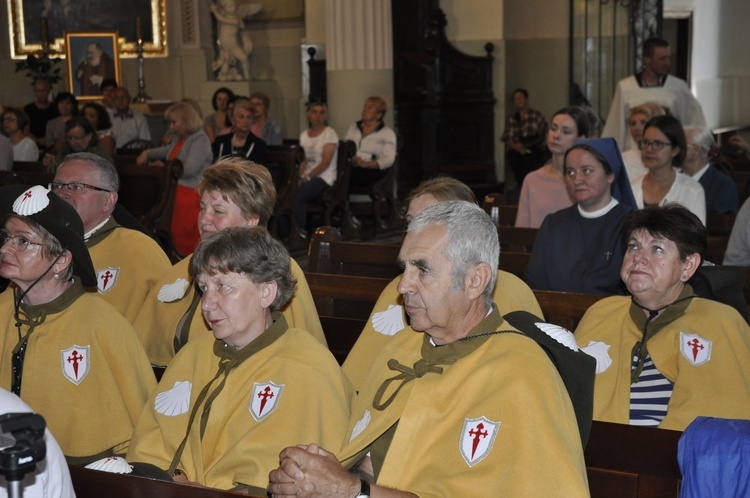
(364, 490)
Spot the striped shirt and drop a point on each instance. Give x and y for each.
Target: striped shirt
(649, 396)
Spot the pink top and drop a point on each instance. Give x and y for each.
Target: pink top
(541, 195)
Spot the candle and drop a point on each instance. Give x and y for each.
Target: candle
(138, 29)
(45, 32)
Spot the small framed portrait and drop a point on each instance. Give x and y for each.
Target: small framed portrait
(92, 57)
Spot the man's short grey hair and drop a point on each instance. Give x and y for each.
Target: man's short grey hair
(700, 136)
(472, 239)
(107, 171)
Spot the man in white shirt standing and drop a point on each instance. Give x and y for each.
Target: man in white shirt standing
(653, 84)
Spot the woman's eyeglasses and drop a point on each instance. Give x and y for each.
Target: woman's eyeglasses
(19, 242)
(656, 145)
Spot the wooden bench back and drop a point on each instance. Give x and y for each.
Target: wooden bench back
(516, 239)
(344, 303)
(383, 206)
(26, 177)
(632, 462)
(502, 213)
(327, 253)
(621, 461)
(332, 206)
(148, 193)
(95, 484)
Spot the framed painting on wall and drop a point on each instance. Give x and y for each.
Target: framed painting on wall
(31, 21)
(92, 57)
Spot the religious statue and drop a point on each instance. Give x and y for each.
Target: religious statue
(235, 45)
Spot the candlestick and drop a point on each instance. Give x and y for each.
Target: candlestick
(138, 29)
(45, 34)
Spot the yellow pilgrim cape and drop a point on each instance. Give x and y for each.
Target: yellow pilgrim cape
(130, 262)
(388, 317)
(719, 387)
(96, 411)
(506, 382)
(172, 295)
(239, 446)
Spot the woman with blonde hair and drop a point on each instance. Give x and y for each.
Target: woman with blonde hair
(241, 141)
(191, 146)
(376, 143)
(638, 116)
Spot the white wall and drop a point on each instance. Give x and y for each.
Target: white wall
(536, 47)
(720, 62)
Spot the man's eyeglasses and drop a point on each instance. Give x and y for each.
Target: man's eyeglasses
(656, 145)
(19, 242)
(75, 187)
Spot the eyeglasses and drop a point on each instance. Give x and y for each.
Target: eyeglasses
(71, 138)
(75, 187)
(656, 145)
(9, 118)
(19, 242)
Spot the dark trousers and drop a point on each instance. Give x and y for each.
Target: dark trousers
(306, 192)
(523, 164)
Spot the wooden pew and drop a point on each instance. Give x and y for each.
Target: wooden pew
(327, 253)
(95, 484)
(516, 239)
(284, 163)
(719, 228)
(514, 262)
(382, 204)
(26, 178)
(502, 214)
(565, 308)
(624, 461)
(148, 193)
(332, 206)
(344, 303)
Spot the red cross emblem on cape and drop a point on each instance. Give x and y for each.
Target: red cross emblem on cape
(106, 279)
(477, 438)
(264, 399)
(75, 363)
(695, 348)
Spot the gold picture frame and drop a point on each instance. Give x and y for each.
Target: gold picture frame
(91, 57)
(31, 20)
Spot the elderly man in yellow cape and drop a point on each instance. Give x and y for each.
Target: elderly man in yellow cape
(472, 407)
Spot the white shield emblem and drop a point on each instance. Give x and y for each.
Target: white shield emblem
(75, 363)
(106, 279)
(695, 348)
(265, 399)
(477, 438)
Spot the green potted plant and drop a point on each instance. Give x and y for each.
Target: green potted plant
(40, 66)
